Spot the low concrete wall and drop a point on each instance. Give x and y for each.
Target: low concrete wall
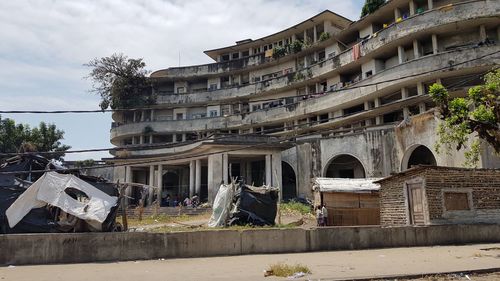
(95, 247)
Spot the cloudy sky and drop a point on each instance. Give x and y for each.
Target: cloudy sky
(44, 44)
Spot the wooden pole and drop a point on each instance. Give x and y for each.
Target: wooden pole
(123, 205)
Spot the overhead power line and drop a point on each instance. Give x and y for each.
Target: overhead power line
(254, 101)
(209, 138)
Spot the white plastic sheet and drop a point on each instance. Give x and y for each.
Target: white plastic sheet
(221, 206)
(50, 189)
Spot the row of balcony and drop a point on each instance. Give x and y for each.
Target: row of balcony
(365, 90)
(390, 37)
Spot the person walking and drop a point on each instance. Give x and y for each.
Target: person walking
(324, 212)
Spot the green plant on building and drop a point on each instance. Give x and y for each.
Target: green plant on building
(371, 6)
(324, 36)
(297, 46)
(279, 52)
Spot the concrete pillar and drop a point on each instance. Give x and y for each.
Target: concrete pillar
(276, 170)
(438, 81)
(198, 177)
(401, 54)
(141, 139)
(192, 168)
(482, 33)
(183, 137)
(435, 47)
(268, 170)
(151, 183)
(404, 93)
(412, 7)
(174, 138)
(151, 139)
(368, 122)
(248, 167)
(152, 115)
(135, 116)
(143, 115)
(225, 168)
(315, 36)
(379, 119)
(133, 140)
(214, 175)
(430, 3)
(421, 107)
(420, 88)
(397, 14)
(406, 113)
(128, 179)
(160, 182)
(416, 49)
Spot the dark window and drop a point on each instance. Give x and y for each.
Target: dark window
(456, 201)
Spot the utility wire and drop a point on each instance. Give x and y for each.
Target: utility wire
(262, 100)
(272, 130)
(282, 140)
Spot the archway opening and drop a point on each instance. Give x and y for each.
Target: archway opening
(289, 182)
(421, 155)
(345, 166)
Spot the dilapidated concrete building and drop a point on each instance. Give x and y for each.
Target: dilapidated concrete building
(327, 97)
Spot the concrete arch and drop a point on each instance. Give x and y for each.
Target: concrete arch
(348, 166)
(289, 181)
(417, 154)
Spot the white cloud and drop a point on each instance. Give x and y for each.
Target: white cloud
(44, 43)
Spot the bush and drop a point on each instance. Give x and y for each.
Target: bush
(297, 46)
(324, 36)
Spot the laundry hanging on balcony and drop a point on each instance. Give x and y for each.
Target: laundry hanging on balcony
(356, 51)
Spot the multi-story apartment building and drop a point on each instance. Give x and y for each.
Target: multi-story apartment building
(325, 97)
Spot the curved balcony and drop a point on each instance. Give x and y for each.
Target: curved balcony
(335, 100)
(247, 63)
(391, 37)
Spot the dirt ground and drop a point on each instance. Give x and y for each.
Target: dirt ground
(338, 265)
(199, 222)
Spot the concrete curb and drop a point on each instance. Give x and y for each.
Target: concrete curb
(413, 276)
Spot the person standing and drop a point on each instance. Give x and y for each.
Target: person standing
(324, 213)
(319, 216)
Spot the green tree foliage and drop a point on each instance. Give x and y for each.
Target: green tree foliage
(121, 82)
(371, 6)
(478, 113)
(21, 138)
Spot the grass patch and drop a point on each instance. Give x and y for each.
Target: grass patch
(294, 207)
(285, 270)
(161, 219)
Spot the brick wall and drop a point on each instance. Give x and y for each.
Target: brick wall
(482, 185)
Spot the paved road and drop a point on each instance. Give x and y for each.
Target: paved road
(324, 265)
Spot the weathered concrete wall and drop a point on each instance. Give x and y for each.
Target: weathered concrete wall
(95, 247)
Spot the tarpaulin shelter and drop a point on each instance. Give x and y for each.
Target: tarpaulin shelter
(60, 190)
(17, 175)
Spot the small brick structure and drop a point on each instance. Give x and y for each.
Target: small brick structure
(426, 195)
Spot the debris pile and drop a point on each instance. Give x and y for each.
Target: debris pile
(240, 204)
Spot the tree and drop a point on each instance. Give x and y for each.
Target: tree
(18, 138)
(371, 6)
(121, 82)
(478, 113)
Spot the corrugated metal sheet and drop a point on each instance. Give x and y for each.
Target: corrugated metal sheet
(345, 185)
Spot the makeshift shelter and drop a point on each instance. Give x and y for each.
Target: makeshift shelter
(237, 204)
(70, 194)
(348, 201)
(17, 175)
(426, 195)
